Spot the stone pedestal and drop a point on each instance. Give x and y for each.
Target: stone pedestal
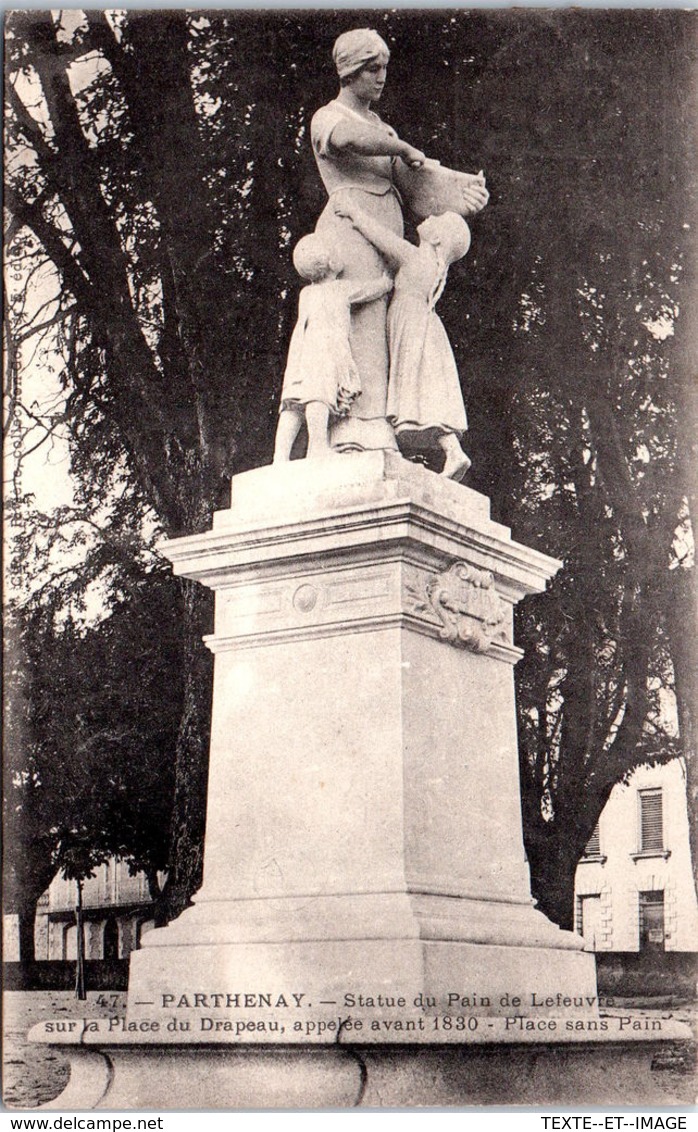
(365, 932)
(364, 825)
(109, 1074)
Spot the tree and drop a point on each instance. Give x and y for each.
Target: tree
(94, 712)
(28, 867)
(160, 372)
(163, 179)
(598, 422)
(582, 411)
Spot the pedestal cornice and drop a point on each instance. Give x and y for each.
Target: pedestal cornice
(416, 552)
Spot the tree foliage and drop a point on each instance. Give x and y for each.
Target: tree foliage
(94, 718)
(159, 171)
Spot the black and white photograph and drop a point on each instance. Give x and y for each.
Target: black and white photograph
(350, 604)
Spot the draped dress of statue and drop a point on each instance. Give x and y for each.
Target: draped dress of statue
(371, 180)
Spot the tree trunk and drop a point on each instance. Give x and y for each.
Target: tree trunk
(26, 917)
(681, 610)
(553, 868)
(80, 992)
(185, 872)
(155, 890)
(25, 879)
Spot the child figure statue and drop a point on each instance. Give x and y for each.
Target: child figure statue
(425, 403)
(321, 378)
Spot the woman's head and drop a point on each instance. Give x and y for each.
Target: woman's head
(360, 50)
(314, 258)
(449, 233)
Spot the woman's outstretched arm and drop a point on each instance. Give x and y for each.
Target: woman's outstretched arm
(374, 141)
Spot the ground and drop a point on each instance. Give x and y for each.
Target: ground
(34, 1074)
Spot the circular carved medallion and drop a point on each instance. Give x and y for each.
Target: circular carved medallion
(305, 598)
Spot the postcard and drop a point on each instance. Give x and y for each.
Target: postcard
(349, 563)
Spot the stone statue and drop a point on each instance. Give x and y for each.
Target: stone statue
(359, 155)
(321, 380)
(425, 403)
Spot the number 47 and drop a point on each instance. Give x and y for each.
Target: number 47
(107, 999)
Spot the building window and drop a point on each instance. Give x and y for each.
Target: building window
(651, 820)
(651, 825)
(589, 919)
(110, 943)
(593, 845)
(591, 854)
(651, 921)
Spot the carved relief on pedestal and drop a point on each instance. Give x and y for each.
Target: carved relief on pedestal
(465, 603)
(305, 598)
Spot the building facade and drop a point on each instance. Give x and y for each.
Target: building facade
(634, 889)
(116, 909)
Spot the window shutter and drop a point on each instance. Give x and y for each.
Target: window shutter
(593, 845)
(651, 821)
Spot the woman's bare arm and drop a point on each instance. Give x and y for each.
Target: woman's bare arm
(395, 250)
(373, 141)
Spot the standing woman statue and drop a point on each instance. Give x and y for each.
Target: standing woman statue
(358, 153)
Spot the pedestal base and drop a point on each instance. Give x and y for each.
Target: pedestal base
(290, 991)
(590, 1072)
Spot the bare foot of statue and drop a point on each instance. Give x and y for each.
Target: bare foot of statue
(455, 469)
(457, 463)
